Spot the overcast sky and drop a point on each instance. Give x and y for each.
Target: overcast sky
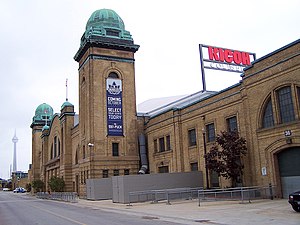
(39, 39)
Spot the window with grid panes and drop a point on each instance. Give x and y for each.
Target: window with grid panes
(232, 123)
(192, 137)
(268, 119)
(161, 144)
(116, 172)
(210, 132)
(194, 166)
(168, 142)
(115, 149)
(163, 169)
(286, 107)
(104, 173)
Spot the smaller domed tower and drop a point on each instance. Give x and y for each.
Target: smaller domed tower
(40, 121)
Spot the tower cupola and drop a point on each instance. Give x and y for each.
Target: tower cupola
(105, 29)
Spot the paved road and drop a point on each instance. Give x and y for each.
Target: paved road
(272, 212)
(23, 209)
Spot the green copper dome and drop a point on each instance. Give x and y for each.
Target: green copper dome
(43, 112)
(105, 29)
(106, 23)
(65, 104)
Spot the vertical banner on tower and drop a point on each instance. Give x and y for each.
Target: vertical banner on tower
(114, 107)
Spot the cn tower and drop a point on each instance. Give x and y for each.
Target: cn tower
(15, 140)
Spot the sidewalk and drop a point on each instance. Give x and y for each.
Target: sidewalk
(275, 212)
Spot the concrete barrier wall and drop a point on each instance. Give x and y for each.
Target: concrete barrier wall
(122, 185)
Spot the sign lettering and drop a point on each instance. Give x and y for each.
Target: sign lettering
(229, 56)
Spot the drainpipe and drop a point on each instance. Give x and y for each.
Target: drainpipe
(143, 154)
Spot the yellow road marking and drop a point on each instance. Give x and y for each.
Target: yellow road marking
(61, 216)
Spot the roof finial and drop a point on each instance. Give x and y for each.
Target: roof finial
(67, 89)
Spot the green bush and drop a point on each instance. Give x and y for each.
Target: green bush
(38, 185)
(56, 184)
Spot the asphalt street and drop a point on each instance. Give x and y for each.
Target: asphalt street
(15, 208)
(23, 209)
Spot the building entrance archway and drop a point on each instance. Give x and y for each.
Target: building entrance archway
(289, 168)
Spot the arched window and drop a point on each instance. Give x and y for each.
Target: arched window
(284, 112)
(113, 75)
(58, 147)
(55, 147)
(267, 118)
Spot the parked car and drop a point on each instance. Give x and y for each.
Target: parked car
(294, 200)
(19, 190)
(6, 189)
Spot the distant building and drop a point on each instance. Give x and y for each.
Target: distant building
(103, 140)
(19, 179)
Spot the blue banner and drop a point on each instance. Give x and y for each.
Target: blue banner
(114, 107)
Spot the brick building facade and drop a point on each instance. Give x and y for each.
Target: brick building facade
(103, 140)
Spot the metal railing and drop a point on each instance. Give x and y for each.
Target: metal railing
(163, 195)
(241, 194)
(60, 196)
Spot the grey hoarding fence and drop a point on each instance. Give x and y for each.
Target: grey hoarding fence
(163, 195)
(241, 194)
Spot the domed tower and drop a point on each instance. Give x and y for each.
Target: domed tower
(107, 100)
(40, 121)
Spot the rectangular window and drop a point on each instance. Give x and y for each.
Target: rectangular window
(155, 145)
(194, 166)
(126, 172)
(286, 107)
(116, 172)
(163, 169)
(162, 144)
(210, 132)
(104, 173)
(232, 124)
(83, 152)
(168, 140)
(192, 137)
(115, 149)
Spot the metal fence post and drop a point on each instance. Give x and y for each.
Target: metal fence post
(271, 191)
(242, 194)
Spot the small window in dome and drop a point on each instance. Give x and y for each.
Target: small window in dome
(45, 117)
(112, 33)
(113, 75)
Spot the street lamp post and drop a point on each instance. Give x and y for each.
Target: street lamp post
(204, 147)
